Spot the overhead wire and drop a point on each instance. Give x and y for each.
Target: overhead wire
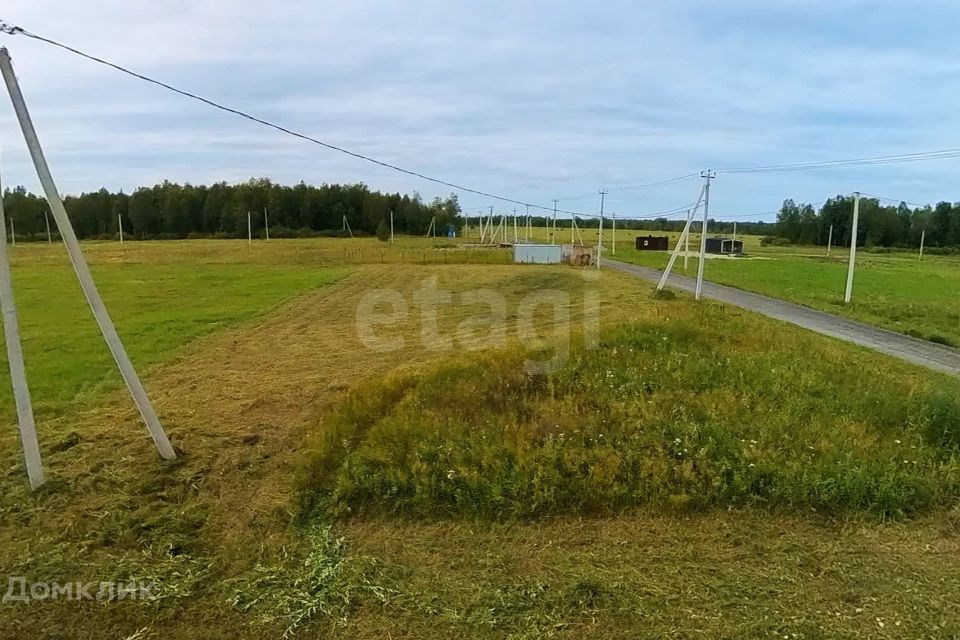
(826, 164)
(911, 204)
(637, 187)
(16, 30)
(10, 29)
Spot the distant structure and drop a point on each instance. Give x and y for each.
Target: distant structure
(537, 253)
(653, 243)
(724, 246)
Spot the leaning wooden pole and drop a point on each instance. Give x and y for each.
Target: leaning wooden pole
(80, 267)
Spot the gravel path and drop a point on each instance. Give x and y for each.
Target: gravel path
(921, 352)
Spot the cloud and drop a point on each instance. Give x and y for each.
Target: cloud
(533, 100)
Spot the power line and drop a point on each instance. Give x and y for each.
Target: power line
(829, 164)
(683, 178)
(912, 204)
(659, 214)
(875, 160)
(589, 194)
(689, 176)
(7, 28)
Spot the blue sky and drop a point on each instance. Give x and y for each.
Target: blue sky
(532, 100)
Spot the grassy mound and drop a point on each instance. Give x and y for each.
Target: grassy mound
(660, 414)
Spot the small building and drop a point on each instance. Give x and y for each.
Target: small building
(537, 253)
(724, 246)
(653, 243)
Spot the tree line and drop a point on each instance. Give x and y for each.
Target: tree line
(170, 210)
(879, 225)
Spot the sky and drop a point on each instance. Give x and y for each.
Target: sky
(530, 100)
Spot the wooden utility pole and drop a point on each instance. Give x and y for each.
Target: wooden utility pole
(684, 235)
(603, 195)
(553, 231)
(18, 372)
(853, 248)
(707, 175)
(80, 267)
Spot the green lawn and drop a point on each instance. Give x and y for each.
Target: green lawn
(894, 291)
(158, 303)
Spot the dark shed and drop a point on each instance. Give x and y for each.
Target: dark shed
(652, 243)
(724, 246)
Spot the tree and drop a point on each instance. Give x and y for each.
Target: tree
(788, 221)
(144, 213)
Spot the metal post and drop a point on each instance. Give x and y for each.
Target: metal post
(829, 240)
(266, 223)
(686, 237)
(707, 175)
(119, 224)
(514, 225)
(46, 219)
(249, 229)
(853, 247)
(923, 236)
(734, 236)
(80, 265)
(18, 374)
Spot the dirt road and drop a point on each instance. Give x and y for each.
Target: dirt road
(921, 352)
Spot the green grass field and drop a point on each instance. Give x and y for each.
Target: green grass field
(692, 476)
(894, 290)
(158, 306)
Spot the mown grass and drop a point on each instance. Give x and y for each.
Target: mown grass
(158, 305)
(663, 414)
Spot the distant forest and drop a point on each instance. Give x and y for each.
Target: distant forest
(879, 225)
(170, 210)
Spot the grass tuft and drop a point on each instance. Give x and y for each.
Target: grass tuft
(660, 414)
